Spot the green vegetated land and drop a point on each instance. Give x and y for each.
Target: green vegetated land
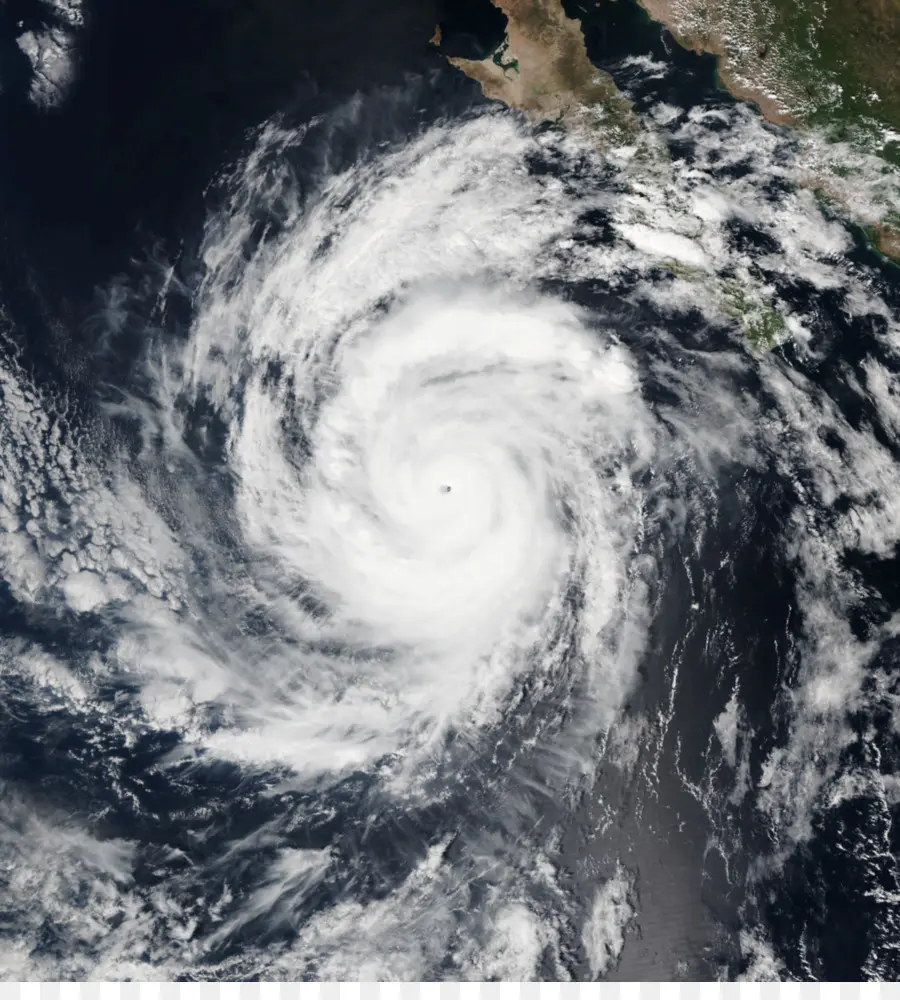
(829, 60)
(854, 44)
(833, 65)
(845, 55)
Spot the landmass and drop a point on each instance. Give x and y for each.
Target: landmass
(827, 69)
(829, 66)
(542, 68)
(800, 60)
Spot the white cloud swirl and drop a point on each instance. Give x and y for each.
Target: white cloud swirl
(401, 509)
(423, 465)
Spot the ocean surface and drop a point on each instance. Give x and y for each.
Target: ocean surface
(409, 568)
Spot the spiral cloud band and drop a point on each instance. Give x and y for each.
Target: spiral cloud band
(446, 565)
(423, 469)
(430, 522)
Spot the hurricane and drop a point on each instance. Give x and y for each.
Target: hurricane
(445, 528)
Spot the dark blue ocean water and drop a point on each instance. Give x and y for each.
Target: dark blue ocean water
(111, 189)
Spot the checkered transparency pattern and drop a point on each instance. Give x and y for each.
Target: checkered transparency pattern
(449, 991)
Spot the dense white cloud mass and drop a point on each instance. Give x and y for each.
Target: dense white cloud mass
(399, 530)
(51, 51)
